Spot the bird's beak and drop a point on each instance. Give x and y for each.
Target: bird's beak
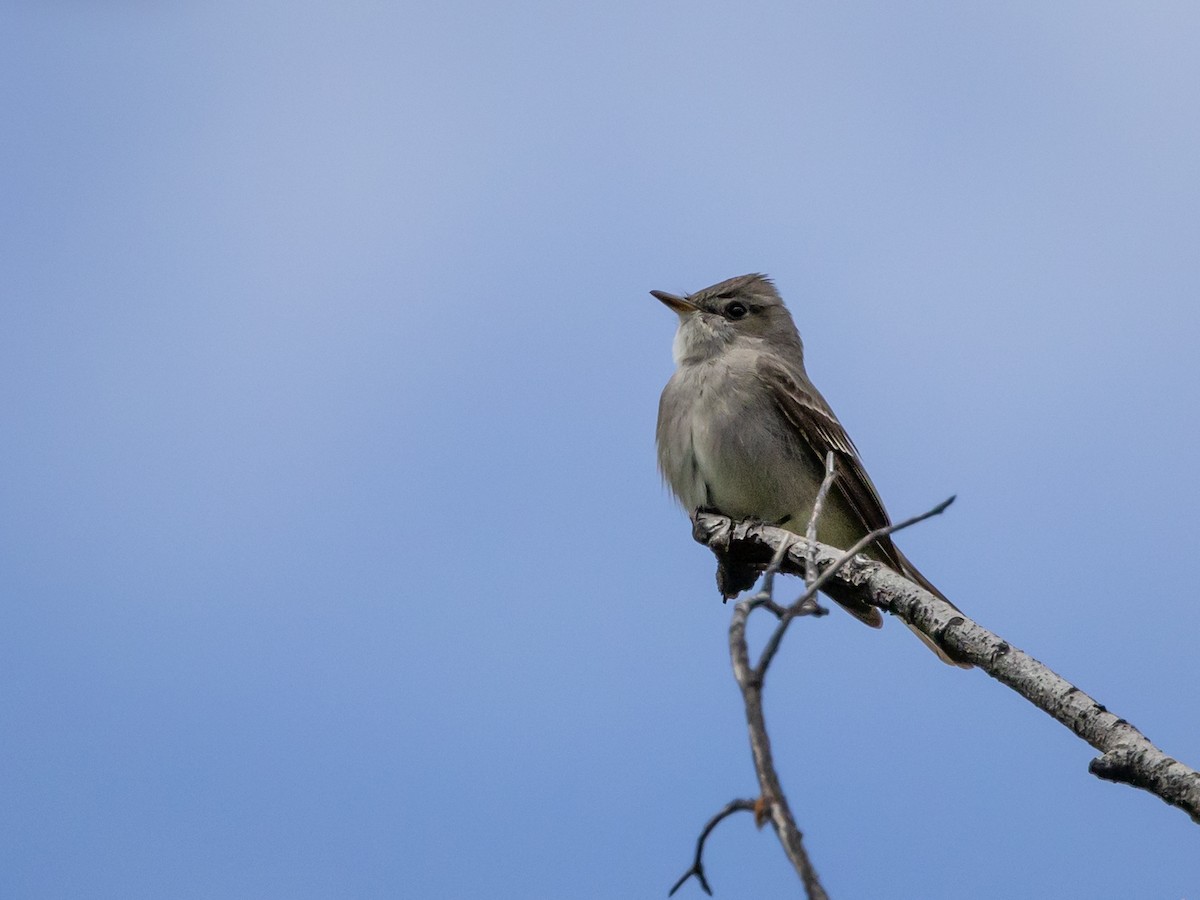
(681, 305)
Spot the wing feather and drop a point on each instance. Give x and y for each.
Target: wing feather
(820, 431)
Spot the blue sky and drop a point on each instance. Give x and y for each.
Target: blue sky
(334, 560)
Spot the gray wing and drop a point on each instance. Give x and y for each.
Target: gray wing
(820, 431)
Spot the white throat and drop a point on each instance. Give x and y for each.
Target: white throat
(701, 336)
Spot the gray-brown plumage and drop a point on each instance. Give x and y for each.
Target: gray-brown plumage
(742, 431)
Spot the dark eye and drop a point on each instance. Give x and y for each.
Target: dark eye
(736, 310)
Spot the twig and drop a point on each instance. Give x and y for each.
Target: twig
(827, 573)
(1127, 755)
(810, 560)
(774, 801)
(766, 594)
(750, 679)
(697, 868)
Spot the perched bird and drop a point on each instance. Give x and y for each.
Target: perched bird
(743, 432)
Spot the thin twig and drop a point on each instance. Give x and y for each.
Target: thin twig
(766, 594)
(806, 602)
(797, 608)
(774, 801)
(810, 560)
(697, 869)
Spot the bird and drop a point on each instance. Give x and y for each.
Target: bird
(743, 432)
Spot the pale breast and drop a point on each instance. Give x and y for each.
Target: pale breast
(722, 444)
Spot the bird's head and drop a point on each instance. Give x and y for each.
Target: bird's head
(746, 310)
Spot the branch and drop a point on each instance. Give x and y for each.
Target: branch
(774, 803)
(831, 569)
(1127, 756)
(697, 868)
(810, 559)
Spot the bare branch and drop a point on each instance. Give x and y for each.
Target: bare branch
(766, 594)
(810, 561)
(1127, 755)
(773, 804)
(801, 606)
(697, 868)
(774, 801)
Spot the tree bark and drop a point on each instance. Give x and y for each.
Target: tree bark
(1127, 756)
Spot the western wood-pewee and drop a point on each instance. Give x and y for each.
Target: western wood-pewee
(743, 432)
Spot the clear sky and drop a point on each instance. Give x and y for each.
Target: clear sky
(333, 557)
